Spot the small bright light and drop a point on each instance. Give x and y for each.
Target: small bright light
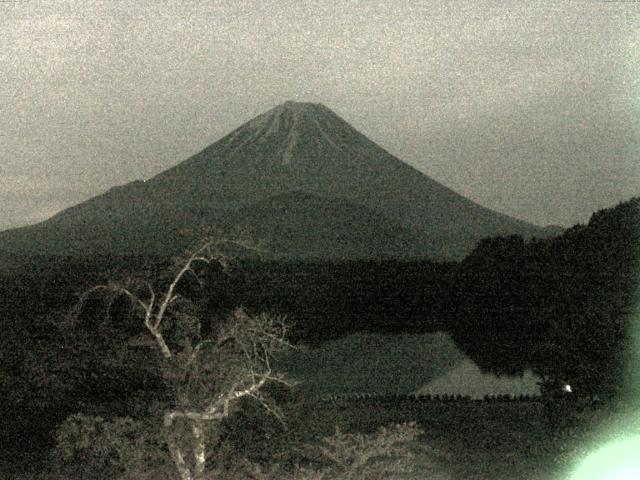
(567, 388)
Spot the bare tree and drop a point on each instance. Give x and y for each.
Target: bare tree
(208, 374)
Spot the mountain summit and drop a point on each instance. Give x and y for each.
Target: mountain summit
(304, 181)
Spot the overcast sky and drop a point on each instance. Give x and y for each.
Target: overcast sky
(529, 108)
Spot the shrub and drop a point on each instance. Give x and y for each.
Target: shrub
(385, 454)
(351, 456)
(114, 446)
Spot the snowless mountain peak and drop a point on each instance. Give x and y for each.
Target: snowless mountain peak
(288, 128)
(294, 112)
(359, 201)
(301, 106)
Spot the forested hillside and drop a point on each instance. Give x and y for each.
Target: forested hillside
(563, 307)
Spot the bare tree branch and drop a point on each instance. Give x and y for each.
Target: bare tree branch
(241, 352)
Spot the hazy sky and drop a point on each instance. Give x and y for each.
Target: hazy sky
(530, 108)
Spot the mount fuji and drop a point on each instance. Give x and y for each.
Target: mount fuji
(304, 182)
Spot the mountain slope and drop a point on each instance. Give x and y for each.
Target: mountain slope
(295, 147)
(301, 225)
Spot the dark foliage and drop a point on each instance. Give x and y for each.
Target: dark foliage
(51, 367)
(561, 306)
(327, 300)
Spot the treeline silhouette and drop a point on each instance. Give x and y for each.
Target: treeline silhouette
(563, 307)
(328, 300)
(436, 398)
